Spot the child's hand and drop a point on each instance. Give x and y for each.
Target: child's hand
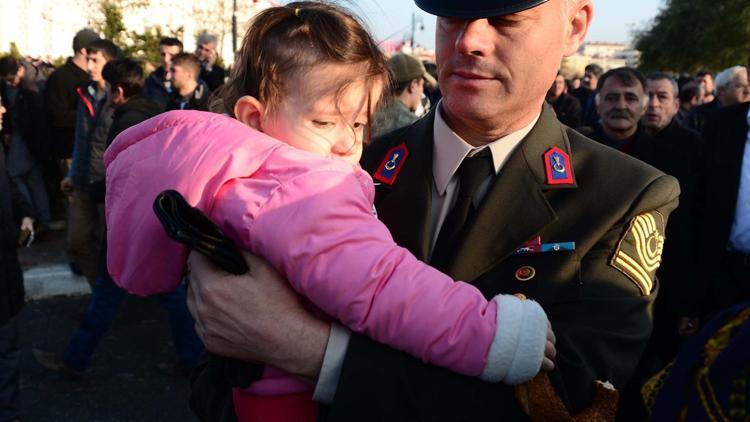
(548, 362)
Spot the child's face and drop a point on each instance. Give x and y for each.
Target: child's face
(330, 124)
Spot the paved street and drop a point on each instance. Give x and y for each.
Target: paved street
(122, 383)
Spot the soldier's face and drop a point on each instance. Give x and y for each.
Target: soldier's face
(495, 73)
(620, 106)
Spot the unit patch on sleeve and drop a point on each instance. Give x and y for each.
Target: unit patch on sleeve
(638, 253)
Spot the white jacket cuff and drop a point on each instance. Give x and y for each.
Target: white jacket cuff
(516, 352)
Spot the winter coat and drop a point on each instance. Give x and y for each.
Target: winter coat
(94, 119)
(157, 88)
(312, 218)
(13, 207)
(62, 103)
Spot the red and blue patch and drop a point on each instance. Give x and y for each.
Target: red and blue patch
(557, 167)
(392, 163)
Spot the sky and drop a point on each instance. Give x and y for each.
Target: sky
(614, 20)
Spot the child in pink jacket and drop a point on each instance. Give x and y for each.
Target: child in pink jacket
(281, 178)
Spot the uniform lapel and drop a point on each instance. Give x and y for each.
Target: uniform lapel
(515, 209)
(405, 205)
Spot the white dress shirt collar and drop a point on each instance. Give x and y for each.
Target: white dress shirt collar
(450, 149)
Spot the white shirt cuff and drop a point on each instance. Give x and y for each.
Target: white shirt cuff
(333, 360)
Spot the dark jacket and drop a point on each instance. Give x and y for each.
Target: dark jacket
(601, 318)
(215, 78)
(586, 97)
(93, 121)
(13, 207)
(155, 87)
(62, 103)
(726, 140)
(568, 110)
(27, 115)
(698, 116)
(197, 100)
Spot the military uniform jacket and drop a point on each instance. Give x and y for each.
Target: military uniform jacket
(599, 309)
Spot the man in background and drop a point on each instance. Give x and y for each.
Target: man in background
(409, 76)
(188, 92)
(158, 86)
(61, 96)
(93, 120)
(567, 108)
(211, 73)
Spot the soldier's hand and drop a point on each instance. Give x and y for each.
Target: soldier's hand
(548, 362)
(66, 186)
(255, 317)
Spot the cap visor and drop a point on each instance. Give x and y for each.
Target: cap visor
(476, 9)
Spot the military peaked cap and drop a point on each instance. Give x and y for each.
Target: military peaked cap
(475, 9)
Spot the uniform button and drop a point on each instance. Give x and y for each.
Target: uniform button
(520, 296)
(525, 273)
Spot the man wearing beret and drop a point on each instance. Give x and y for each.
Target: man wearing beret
(558, 218)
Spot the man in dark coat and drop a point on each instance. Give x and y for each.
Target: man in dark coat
(61, 97)
(26, 133)
(211, 73)
(12, 206)
(158, 85)
(188, 92)
(567, 108)
(724, 209)
(550, 189)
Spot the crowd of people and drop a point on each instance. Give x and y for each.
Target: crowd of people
(618, 201)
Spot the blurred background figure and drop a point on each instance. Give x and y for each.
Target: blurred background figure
(566, 106)
(158, 85)
(188, 92)
(15, 212)
(24, 136)
(409, 78)
(210, 72)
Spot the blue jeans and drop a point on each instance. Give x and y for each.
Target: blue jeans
(101, 310)
(10, 364)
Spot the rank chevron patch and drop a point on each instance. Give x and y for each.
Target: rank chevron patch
(638, 254)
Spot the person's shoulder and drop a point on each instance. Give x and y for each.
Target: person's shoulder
(599, 165)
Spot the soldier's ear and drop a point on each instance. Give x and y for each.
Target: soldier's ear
(578, 20)
(250, 111)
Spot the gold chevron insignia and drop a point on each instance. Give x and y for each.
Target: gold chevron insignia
(638, 253)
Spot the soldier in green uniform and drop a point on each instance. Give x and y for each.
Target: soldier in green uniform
(492, 189)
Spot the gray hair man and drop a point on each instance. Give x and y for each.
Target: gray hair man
(211, 73)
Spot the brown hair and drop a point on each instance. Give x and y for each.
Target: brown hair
(188, 61)
(285, 41)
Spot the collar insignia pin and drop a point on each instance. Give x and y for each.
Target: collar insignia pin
(392, 164)
(557, 167)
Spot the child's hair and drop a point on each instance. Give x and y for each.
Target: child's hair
(285, 41)
(126, 74)
(188, 62)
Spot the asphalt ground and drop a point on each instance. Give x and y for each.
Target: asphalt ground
(122, 383)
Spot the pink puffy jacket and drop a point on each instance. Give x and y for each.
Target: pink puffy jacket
(312, 218)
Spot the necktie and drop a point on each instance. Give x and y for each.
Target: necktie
(471, 173)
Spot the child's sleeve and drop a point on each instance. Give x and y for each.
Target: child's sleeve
(318, 230)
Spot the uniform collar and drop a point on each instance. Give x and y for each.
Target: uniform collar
(450, 149)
